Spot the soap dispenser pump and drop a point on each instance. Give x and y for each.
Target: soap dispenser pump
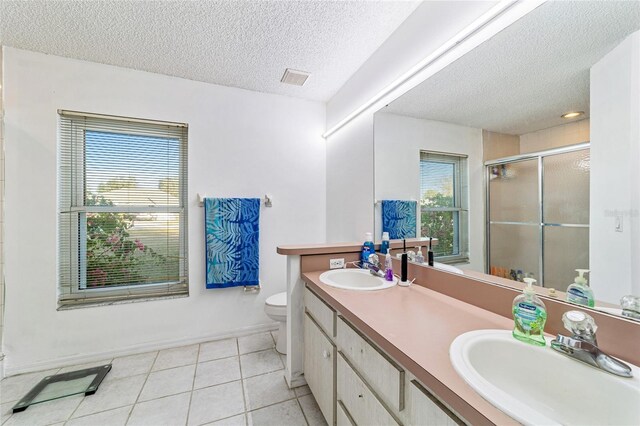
(579, 292)
(419, 256)
(529, 315)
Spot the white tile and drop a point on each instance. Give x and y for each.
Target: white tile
(171, 410)
(168, 382)
(46, 413)
(176, 357)
(218, 349)
(15, 387)
(117, 417)
(312, 411)
(114, 394)
(266, 389)
(302, 390)
(284, 414)
(6, 409)
(216, 372)
(255, 342)
(274, 334)
(84, 366)
(240, 420)
(131, 365)
(260, 363)
(216, 402)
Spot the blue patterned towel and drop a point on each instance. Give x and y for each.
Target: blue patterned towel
(399, 218)
(232, 237)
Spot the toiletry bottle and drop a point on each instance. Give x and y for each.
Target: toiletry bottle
(579, 292)
(384, 246)
(419, 257)
(529, 315)
(388, 267)
(367, 249)
(430, 253)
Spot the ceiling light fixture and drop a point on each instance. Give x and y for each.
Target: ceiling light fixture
(572, 114)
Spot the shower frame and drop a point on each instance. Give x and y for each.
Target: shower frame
(539, 155)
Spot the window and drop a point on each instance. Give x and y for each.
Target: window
(443, 204)
(122, 209)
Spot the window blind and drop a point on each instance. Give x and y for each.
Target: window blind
(444, 201)
(122, 208)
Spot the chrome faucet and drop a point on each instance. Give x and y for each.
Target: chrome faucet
(373, 265)
(583, 346)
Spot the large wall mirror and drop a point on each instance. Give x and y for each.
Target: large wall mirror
(523, 156)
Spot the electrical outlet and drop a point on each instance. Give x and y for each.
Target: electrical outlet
(336, 263)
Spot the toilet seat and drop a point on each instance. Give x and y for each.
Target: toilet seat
(277, 300)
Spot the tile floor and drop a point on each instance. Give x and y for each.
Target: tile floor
(236, 381)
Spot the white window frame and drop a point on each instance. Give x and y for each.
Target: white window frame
(75, 293)
(460, 200)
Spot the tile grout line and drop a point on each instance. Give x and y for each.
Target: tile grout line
(142, 387)
(81, 400)
(193, 384)
(304, 415)
(244, 398)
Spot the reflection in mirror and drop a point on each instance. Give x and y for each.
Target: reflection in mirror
(521, 156)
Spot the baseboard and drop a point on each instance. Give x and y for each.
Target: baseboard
(12, 370)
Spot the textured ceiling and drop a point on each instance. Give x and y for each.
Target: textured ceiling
(245, 44)
(529, 74)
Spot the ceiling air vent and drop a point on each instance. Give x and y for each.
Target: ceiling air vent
(297, 78)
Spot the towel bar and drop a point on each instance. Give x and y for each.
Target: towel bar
(266, 200)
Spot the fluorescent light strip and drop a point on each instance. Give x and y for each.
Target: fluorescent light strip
(421, 66)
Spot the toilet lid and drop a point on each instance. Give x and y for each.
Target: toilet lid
(279, 299)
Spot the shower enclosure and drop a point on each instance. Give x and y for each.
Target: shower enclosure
(538, 215)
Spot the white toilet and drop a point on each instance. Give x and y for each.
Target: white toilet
(276, 308)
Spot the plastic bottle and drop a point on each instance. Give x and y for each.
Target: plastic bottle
(529, 316)
(579, 292)
(367, 249)
(419, 256)
(384, 246)
(388, 267)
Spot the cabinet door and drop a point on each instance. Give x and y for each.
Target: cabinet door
(427, 410)
(362, 404)
(320, 367)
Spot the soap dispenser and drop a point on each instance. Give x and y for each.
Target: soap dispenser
(419, 256)
(529, 315)
(579, 292)
(367, 249)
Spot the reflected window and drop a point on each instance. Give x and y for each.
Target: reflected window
(443, 204)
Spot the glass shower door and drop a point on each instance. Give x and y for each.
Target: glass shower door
(538, 216)
(565, 216)
(514, 220)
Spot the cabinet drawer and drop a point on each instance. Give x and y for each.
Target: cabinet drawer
(342, 417)
(384, 376)
(320, 367)
(425, 409)
(359, 401)
(321, 312)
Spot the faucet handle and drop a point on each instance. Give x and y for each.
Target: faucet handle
(374, 259)
(580, 324)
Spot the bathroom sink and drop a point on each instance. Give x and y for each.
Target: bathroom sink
(355, 279)
(538, 386)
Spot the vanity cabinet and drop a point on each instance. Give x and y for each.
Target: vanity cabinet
(355, 382)
(320, 363)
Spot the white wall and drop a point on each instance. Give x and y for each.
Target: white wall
(241, 143)
(398, 142)
(615, 140)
